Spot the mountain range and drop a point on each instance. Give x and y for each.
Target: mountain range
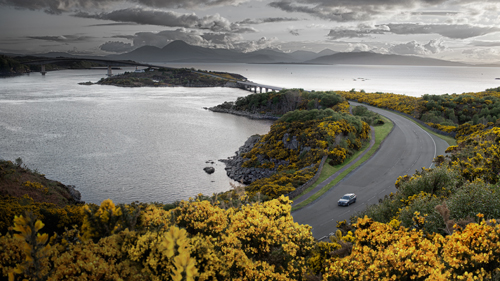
(181, 52)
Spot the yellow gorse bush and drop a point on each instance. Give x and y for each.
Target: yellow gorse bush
(195, 241)
(383, 252)
(316, 138)
(478, 155)
(37, 185)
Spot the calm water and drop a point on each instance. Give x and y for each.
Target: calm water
(151, 144)
(407, 80)
(127, 144)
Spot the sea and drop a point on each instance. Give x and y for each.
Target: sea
(151, 144)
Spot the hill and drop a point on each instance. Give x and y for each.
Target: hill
(369, 58)
(17, 180)
(9, 66)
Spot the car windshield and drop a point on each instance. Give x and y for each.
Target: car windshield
(346, 197)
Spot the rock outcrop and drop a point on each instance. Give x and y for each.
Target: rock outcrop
(243, 174)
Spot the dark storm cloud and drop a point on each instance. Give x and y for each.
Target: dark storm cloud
(56, 6)
(116, 47)
(354, 10)
(325, 12)
(215, 23)
(186, 3)
(60, 6)
(266, 20)
(62, 38)
(459, 31)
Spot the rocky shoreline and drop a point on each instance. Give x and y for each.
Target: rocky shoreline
(246, 175)
(75, 194)
(244, 113)
(242, 174)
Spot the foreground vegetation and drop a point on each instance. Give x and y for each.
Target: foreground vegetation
(441, 224)
(460, 115)
(314, 125)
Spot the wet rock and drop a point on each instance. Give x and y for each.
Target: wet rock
(243, 174)
(209, 170)
(75, 194)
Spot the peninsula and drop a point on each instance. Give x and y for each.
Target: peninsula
(17, 65)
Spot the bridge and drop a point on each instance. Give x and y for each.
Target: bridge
(109, 63)
(248, 85)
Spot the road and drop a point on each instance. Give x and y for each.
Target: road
(406, 149)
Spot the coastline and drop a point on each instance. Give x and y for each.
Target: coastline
(243, 113)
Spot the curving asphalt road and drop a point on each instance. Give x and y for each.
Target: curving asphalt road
(406, 149)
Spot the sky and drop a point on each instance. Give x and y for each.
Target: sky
(457, 30)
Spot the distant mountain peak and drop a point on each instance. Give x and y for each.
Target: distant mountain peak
(177, 43)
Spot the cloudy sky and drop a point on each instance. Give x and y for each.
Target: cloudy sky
(459, 30)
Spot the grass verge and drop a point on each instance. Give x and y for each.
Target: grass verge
(381, 133)
(329, 170)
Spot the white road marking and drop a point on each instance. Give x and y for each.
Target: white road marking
(332, 219)
(344, 213)
(435, 147)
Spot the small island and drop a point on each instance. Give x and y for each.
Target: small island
(171, 77)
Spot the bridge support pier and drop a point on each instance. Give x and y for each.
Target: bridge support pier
(109, 71)
(43, 70)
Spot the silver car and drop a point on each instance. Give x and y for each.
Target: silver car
(347, 199)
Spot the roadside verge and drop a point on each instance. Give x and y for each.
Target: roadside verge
(322, 186)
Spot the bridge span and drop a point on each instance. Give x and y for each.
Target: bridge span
(108, 63)
(251, 86)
